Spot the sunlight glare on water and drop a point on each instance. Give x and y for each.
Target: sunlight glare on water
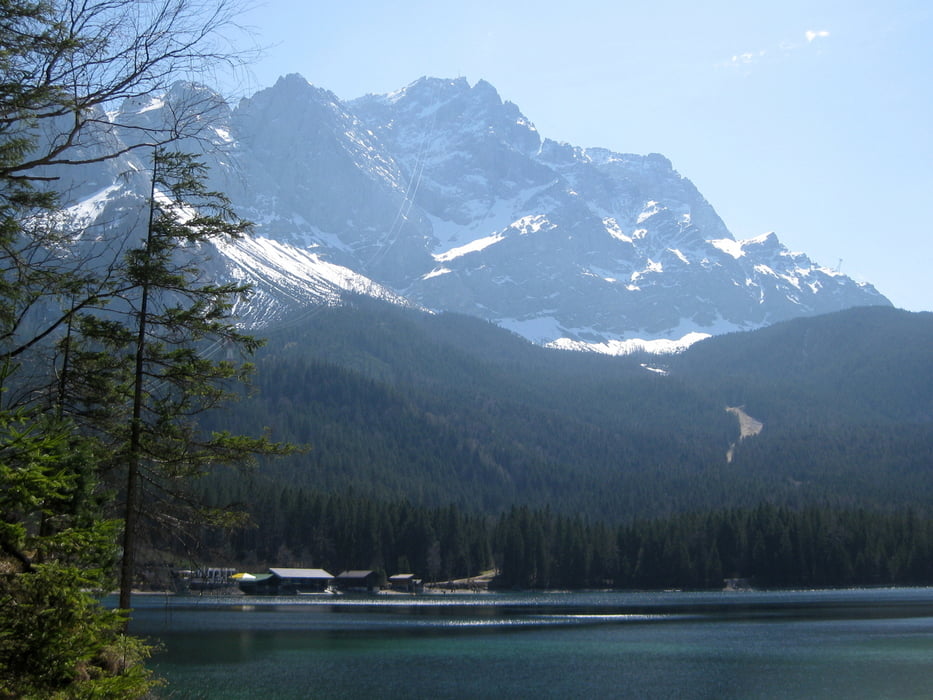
(805, 644)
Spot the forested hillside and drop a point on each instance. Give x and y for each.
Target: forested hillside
(438, 411)
(445, 409)
(767, 546)
(865, 365)
(448, 409)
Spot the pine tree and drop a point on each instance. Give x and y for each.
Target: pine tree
(62, 62)
(56, 555)
(143, 371)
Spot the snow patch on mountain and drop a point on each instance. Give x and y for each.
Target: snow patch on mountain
(281, 273)
(479, 217)
(528, 225)
(83, 214)
(437, 272)
(445, 196)
(659, 346)
(649, 210)
(471, 247)
(729, 246)
(666, 341)
(614, 230)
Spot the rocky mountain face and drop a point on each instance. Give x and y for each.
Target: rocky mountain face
(444, 196)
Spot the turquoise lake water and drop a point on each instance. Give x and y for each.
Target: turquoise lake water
(801, 644)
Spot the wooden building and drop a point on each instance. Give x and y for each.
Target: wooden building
(406, 583)
(357, 580)
(282, 581)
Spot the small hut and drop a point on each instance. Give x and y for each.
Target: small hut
(406, 583)
(357, 580)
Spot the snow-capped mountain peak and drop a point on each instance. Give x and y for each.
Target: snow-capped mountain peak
(445, 195)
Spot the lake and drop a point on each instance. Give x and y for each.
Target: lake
(873, 643)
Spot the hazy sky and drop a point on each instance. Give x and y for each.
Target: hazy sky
(809, 118)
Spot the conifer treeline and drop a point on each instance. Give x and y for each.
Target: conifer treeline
(446, 409)
(344, 531)
(772, 546)
(552, 451)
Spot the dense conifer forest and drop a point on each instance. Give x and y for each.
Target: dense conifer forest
(451, 410)
(766, 546)
(447, 446)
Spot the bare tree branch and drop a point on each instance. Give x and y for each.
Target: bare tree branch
(90, 56)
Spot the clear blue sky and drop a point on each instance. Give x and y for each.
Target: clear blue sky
(810, 118)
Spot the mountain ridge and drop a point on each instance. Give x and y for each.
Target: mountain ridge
(447, 408)
(444, 196)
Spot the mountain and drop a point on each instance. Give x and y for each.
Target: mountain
(443, 196)
(445, 408)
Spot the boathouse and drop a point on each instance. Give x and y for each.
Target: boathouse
(281, 581)
(367, 581)
(406, 583)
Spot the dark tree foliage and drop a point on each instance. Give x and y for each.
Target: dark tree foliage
(63, 63)
(56, 554)
(446, 409)
(155, 350)
(345, 531)
(770, 546)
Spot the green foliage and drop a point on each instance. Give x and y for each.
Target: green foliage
(346, 531)
(771, 546)
(57, 641)
(33, 45)
(590, 471)
(140, 372)
(858, 366)
(49, 502)
(443, 409)
(66, 325)
(56, 550)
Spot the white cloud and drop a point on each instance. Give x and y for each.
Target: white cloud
(811, 34)
(747, 57)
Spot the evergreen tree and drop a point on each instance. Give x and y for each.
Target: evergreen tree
(56, 550)
(147, 368)
(62, 62)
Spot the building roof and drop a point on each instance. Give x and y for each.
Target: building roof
(355, 574)
(300, 573)
(256, 578)
(401, 577)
